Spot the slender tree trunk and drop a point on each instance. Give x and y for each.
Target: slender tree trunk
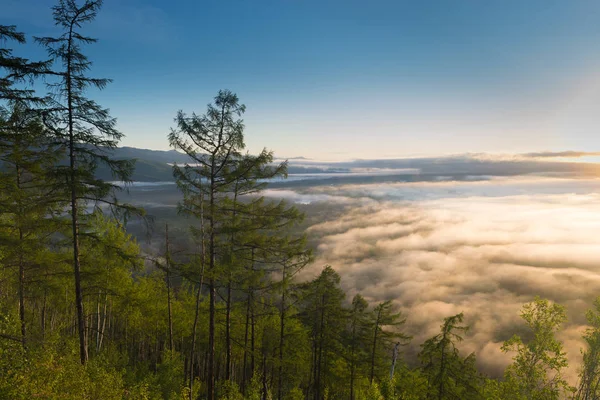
(352, 380)
(245, 365)
(228, 332)
(394, 358)
(83, 354)
(373, 351)
(21, 288)
(197, 311)
(98, 323)
(168, 278)
(228, 305)
(212, 294)
(442, 369)
(315, 351)
(194, 334)
(22, 292)
(265, 389)
(103, 326)
(352, 360)
(252, 322)
(44, 316)
(320, 353)
(281, 335)
(252, 339)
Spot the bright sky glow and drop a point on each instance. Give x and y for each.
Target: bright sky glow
(352, 79)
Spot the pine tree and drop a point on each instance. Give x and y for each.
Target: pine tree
(357, 338)
(18, 71)
(84, 128)
(324, 314)
(449, 375)
(214, 141)
(383, 316)
(29, 196)
(212, 190)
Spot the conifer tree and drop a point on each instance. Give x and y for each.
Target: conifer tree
(357, 338)
(212, 190)
(449, 375)
(324, 314)
(29, 196)
(82, 127)
(16, 70)
(383, 316)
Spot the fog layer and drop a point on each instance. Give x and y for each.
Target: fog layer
(482, 248)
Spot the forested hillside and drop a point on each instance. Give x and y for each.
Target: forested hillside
(85, 314)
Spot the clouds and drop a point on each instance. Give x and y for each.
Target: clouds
(481, 255)
(555, 154)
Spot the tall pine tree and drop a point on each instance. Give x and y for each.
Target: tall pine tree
(82, 127)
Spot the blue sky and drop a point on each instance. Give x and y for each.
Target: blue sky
(351, 79)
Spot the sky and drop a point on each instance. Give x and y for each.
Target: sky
(350, 79)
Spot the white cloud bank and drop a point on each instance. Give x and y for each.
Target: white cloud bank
(484, 256)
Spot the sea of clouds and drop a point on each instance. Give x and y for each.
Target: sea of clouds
(483, 248)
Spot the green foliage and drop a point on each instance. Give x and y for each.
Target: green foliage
(294, 394)
(410, 384)
(228, 390)
(16, 71)
(536, 371)
(384, 339)
(56, 373)
(589, 383)
(373, 393)
(324, 314)
(448, 374)
(254, 391)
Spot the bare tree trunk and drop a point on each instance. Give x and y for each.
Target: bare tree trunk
(44, 316)
(265, 390)
(352, 360)
(197, 311)
(252, 322)
(442, 369)
(281, 335)
(83, 354)
(22, 293)
(194, 333)
(374, 346)
(320, 353)
(228, 305)
(98, 323)
(103, 326)
(245, 365)
(211, 292)
(168, 278)
(21, 268)
(211, 338)
(228, 333)
(252, 339)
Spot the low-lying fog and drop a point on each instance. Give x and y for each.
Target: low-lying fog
(437, 248)
(483, 248)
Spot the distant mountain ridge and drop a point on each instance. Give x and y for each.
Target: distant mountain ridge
(153, 165)
(150, 165)
(165, 156)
